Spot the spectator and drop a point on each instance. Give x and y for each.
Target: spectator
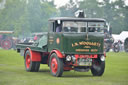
(35, 37)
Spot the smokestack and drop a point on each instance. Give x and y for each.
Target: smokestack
(79, 14)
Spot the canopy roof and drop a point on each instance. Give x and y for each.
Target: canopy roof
(77, 19)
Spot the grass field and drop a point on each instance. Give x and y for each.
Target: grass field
(12, 72)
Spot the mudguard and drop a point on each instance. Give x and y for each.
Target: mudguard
(58, 53)
(35, 56)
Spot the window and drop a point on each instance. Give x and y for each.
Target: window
(96, 26)
(58, 26)
(51, 27)
(77, 26)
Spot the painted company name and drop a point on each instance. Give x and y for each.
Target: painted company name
(86, 44)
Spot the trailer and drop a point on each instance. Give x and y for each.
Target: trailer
(71, 44)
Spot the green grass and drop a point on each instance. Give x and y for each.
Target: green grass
(12, 72)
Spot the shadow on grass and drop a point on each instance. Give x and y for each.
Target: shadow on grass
(66, 74)
(45, 70)
(76, 76)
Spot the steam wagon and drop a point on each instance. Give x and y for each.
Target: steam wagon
(71, 44)
(6, 41)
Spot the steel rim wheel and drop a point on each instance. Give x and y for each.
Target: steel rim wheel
(6, 44)
(54, 65)
(28, 61)
(30, 66)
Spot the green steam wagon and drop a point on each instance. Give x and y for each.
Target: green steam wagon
(71, 44)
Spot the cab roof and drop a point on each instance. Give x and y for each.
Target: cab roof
(77, 19)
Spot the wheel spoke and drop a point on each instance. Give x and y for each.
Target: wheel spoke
(6, 44)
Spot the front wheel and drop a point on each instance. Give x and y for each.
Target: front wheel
(98, 67)
(30, 65)
(6, 44)
(56, 65)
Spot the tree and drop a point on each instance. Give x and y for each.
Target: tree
(113, 14)
(91, 8)
(126, 18)
(10, 14)
(69, 9)
(26, 16)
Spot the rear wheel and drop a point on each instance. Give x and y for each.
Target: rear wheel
(98, 67)
(29, 64)
(56, 65)
(6, 44)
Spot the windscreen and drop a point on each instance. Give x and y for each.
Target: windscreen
(70, 26)
(96, 26)
(77, 26)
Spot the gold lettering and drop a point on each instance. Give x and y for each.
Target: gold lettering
(72, 45)
(86, 44)
(94, 50)
(80, 43)
(82, 50)
(76, 44)
(51, 40)
(87, 47)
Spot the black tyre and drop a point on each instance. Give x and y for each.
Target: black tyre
(56, 65)
(29, 64)
(98, 67)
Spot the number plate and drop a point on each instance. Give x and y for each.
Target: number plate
(84, 62)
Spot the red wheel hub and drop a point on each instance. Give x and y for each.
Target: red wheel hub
(28, 61)
(54, 65)
(6, 44)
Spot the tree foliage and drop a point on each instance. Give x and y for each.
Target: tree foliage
(28, 16)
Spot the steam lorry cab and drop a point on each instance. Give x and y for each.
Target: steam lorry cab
(71, 44)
